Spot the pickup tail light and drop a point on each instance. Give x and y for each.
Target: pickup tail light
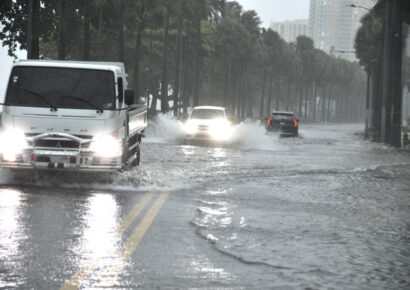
(295, 123)
(270, 121)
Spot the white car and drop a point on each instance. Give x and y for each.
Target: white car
(208, 123)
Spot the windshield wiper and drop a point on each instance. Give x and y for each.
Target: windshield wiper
(99, 110)
(52, 107)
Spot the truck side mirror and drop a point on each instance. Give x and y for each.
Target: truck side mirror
(129, 97)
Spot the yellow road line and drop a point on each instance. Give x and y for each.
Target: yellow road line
(84, 272)
(131, 244)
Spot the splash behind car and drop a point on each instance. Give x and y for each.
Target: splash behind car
(207, 124)
(283, 122)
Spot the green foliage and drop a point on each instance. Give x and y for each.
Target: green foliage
(235, 51)
(368, 39)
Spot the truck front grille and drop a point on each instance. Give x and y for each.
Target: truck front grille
(203, 127)
(56, 143)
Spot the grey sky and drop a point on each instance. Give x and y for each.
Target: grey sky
(277, 10)
(268, 10)
(5, 66)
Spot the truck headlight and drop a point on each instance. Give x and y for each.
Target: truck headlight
(191, 127)
(12, 143)
(106, 146)
(221, 130)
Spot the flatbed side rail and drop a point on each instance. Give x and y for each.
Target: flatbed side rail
(137, 115)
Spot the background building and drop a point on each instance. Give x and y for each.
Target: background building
(290, 30)
(333, 25)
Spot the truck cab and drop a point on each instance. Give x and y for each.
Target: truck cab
(70, 115)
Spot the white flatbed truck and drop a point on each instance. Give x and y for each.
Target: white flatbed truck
(69, 115)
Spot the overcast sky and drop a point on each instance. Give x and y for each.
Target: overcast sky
(277, 10)
(268, 10)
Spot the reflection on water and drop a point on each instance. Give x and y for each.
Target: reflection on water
(100, 241)
(101, 221)
(188, 150)
(203, 267)
(11, 233)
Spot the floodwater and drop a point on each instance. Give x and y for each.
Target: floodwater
(325, 210)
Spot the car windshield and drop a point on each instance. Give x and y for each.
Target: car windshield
(61, 88)
(282, 117)
(207, 114)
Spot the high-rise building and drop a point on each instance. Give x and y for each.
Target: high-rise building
(290, 30)
(333, 24)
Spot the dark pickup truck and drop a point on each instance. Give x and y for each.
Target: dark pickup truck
(283, 122)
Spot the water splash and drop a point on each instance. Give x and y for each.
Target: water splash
(165, 129)
(252, 135)
(245, 135)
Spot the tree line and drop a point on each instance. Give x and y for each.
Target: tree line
(188, 53)
(380, 45)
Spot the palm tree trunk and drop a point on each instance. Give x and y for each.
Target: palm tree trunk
(137, 61)
(33, 48)
(306, 100)
(185, 75)
(301, 89)
(227, 82)
(288, 95)
(178, 66)
(100, 28)
(86, 31)
(164, 82)
(314, 101)
(278, 93)
(62, 31)
(262, 104)
(197, 60)
(121, 32)
(268, 108)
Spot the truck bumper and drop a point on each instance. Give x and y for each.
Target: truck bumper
(76, 156)
(61, 160)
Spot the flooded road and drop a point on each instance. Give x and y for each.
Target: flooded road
(326, 210)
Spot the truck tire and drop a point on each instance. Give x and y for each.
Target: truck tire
(137, 160)
(125, 153)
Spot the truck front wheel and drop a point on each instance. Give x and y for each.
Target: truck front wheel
(137, 160)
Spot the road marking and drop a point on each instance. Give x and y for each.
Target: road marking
(85, 271)
(131, 244)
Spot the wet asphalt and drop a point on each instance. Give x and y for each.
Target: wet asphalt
(323, 211)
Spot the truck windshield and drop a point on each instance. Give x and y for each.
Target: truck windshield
(207, 114)
(61, 88)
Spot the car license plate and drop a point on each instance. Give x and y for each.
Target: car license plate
(61, 159)
(282, 123)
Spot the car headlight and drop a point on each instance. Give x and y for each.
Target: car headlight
(106, 146)
(221, 130)
(191, 127)
(12, 143)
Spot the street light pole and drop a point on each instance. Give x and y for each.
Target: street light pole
(358, 6)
